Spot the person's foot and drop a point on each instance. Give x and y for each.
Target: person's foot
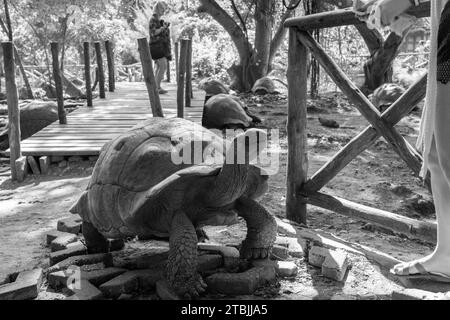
(162, 91)
(435, 264)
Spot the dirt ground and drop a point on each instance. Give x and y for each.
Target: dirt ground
(378, 177)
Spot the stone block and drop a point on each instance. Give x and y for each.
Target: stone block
(84, 290)
(317, 256)
(296, 247)
(44, 163)
(240, 283)
(230, 255)
(98, 277)
(70, 225)
(21, 168)
(52, 235)
(279, 253)
(336, 265)
(285, 228)
(283, 268)
(82, 260)
(62, 241)
(61, 255)
(127, 282)
(416, 294)
(208, 262)
(25, 287)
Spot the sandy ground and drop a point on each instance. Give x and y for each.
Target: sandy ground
(378, 178)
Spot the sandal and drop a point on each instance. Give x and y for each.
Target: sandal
(422, 275)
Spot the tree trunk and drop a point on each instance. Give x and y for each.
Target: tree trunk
(263, 37)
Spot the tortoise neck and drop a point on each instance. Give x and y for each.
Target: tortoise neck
(229, 185)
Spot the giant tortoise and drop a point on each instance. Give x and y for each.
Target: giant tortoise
(225, 111)
(139, 187)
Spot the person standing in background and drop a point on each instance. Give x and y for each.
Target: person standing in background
(160, 44)
(434, 138)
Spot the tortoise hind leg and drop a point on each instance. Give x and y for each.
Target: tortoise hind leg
(181, 269)
(95, 241)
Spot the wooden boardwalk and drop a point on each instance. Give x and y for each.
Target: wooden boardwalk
(88, 129)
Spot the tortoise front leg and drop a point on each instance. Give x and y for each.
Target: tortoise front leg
(261, 229)
(182, 262)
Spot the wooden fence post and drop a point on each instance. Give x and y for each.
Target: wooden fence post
(87, 73)
(58, 83)
(188, 94)
(101, 72)
(13, 106)
(181, 77)
(177, 59)
(147, 70)
(111, 68)
(297, 171)
(168, 72)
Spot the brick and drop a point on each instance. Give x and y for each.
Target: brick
(52, 235)
(165, 292)
(98, 277)
(33, 165)
(125, 283)
(285, 228)
(416, 294)
(61, 255)
(70, 225)
(81, 260)
(21, 168)
(62, 241)
(25, 287)
(336, 265)
(282, 268)
(84, 290)
(230, 255)
(208, 262)
(317, 256)
(279, 253)
(44, 163)
(295, 246)
(58, 279)
(240, 283)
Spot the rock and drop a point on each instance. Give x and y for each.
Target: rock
(317, 256)
(98, 277)
(329, 123)
(283, 268)
(21, 168)
(148, 278)
(70, 225)
(56, 159)
(116, 244)
(61, 242)
(240, 283)
(58, 279)
(81, 260)
(44, 163)
(295, 246)
(336, 265)
(93, 158)
(416, 294)
(208, 262)
(52, 235)
(85, 291)
(74, 244)
(125, 296)
(164, 292)
(279, 253)
(285, 228)
(75, 159)
(33, 165)
(61, 255)
(125, 283)
(62, 164)
(25, 287)
(230, 255)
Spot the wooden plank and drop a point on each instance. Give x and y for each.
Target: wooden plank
(297, 171)
(343, 17)
(418, 229)
(402, 107)
(399, 144)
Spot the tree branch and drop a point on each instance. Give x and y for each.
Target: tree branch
(228, 23)
(244, 26)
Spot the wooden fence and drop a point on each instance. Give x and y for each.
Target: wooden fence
(302, 190)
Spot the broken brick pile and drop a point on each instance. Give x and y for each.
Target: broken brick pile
(137, 269)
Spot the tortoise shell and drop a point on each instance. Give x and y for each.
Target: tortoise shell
(225, 111)
(133, 169)
(264, 86)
